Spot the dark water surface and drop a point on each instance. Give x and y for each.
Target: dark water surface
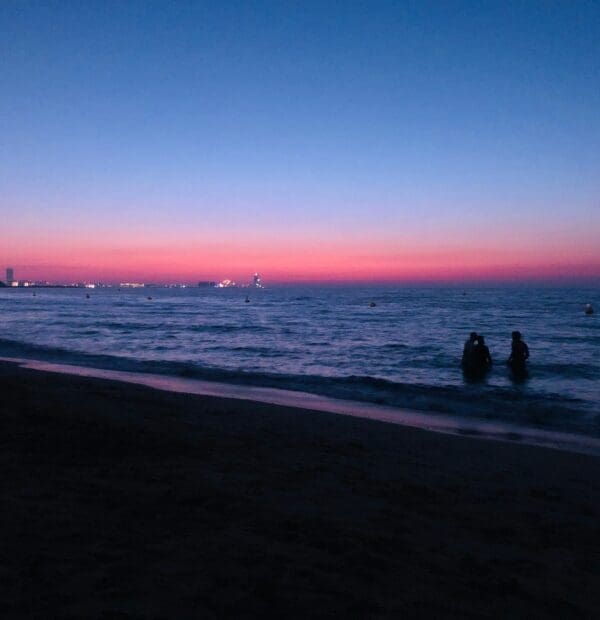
(405, 352)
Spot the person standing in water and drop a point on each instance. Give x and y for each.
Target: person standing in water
(468, 349)
(476, 357)
(481, 356)
(519, 353)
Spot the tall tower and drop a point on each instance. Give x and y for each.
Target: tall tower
(10, 276)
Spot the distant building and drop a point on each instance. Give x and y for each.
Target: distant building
(226, 284)
(257, 281)
(207, 284)
(10, 276)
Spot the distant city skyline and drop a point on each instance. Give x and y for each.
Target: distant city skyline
(583, 277)
(252, 281)
(311, 142)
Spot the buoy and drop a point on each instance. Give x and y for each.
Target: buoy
(87, 296)
(372, 304)
(589, 309)
(247, 300)
(149, 298)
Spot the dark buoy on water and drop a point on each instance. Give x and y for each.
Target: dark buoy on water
(247, 300)
(589, 309)
(87, 295)
(149, 298)
(372, 304)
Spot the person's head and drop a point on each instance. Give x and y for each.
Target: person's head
(481, 339)
(516, 336)
(473, 336)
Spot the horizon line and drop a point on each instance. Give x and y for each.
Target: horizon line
(466, 281)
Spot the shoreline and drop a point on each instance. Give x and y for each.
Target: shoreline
(439, 423)
(126, 501)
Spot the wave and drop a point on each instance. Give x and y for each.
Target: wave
(479, 401)
(227, 328)
(577, 370)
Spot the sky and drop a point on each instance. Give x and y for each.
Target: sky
(309, 141)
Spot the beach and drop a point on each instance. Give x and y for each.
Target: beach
(121, 501)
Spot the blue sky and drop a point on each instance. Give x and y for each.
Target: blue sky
(158, 123)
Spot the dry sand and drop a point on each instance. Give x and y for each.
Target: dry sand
(120, 501)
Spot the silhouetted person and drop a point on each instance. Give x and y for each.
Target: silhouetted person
(519, 353)
(468, 349)
(482, 360)
(476, 357)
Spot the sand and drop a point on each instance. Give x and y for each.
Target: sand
(121, 501)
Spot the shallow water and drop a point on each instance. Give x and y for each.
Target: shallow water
(404, 352)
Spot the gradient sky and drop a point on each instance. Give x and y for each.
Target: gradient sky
(307, 140)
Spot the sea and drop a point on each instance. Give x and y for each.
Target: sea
(397, 347)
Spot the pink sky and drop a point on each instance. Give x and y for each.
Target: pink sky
(297, 260)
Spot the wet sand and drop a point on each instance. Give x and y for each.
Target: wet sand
(120, 501)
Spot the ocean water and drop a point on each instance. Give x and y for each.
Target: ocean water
(404, 352)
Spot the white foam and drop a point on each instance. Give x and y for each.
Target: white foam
(307, 401)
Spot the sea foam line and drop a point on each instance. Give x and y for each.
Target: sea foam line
(441, 423)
